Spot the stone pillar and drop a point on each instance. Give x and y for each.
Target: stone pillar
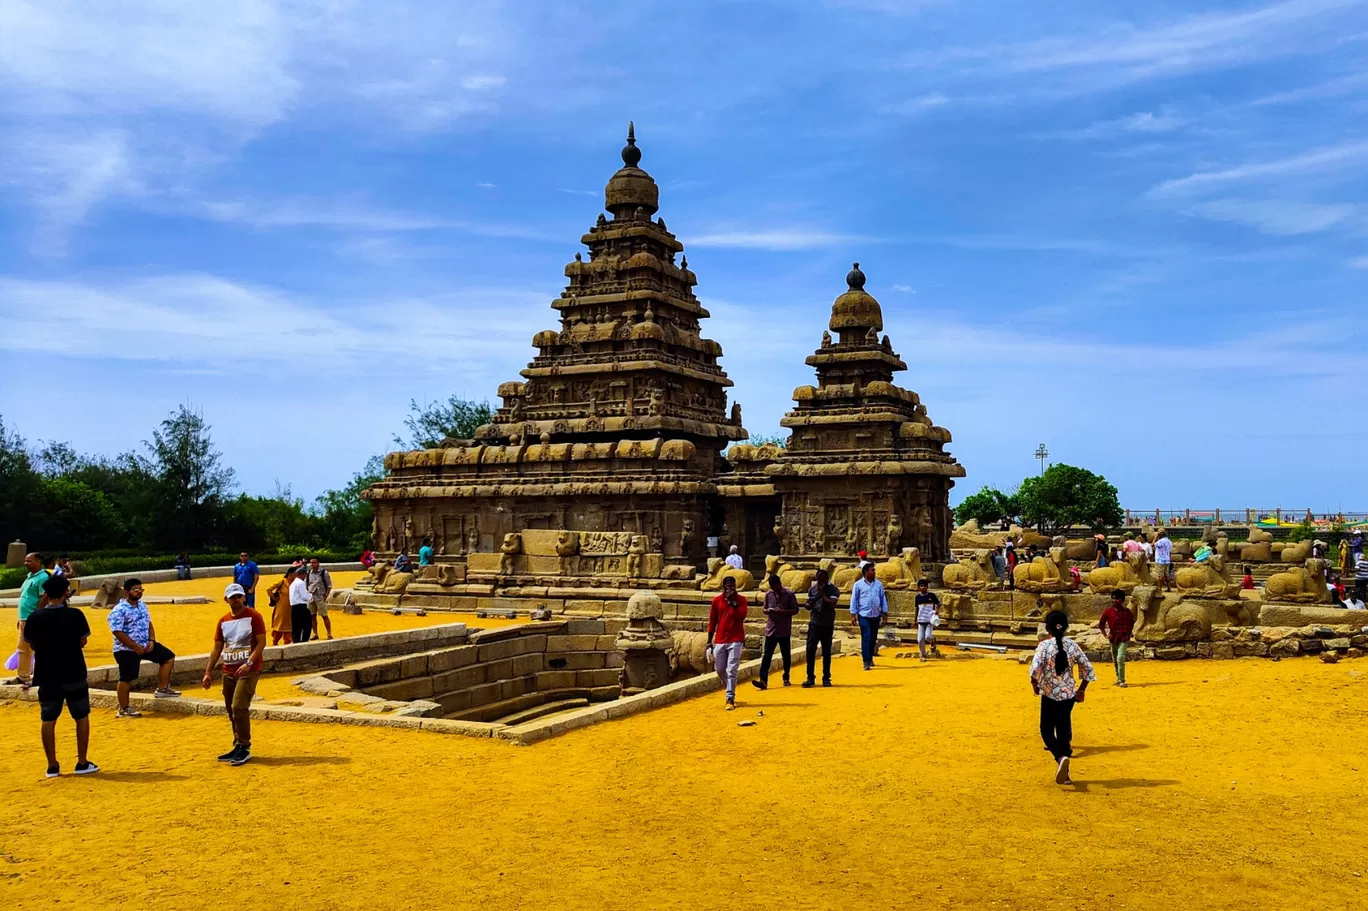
(14, 554)
(645, 643)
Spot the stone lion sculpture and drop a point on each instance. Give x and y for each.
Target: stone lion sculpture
(567, 546)
(1123, 574)
(719, 570)
(790, 576)
(1301, 585)
(511, 547)
(689, 652)
(394, 583)
(1044, 574)
(1209, 579)
(1297, 552)
(108, 594)
(972, 574)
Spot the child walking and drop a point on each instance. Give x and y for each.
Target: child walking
(1052, 679)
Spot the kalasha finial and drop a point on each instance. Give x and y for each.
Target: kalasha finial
(631, 155)
(855, 279)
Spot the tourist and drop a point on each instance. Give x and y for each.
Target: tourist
(282, 619)
(1361, 576)
(1203, 553)
(135, 641)
(928, 618)
(1247, 583)
(403, 563)
(1318, 550)
(1346, 559)
(367, 558)
(734, 559)
(239, 640)
(57, 634)
(425, 553)
(780, 607)
(182, 566)
(1116, 624)
(301, 618)
(1100, 555)
(319, 581)
(1337, 599)
(1147, 547)
(868, 607)
(30, 597)
(1131, 546)
(999, 564)
(823, 597)
(727, 636)
(1356, 545)
(1052, 679)
(1335, 584)
(246, 574)
(1011, 560)
(1353, 603)
(1163, 556)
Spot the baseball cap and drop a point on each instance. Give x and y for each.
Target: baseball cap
(234, 589)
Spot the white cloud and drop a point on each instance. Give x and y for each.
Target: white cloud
(344, 216)
(918, 105)
(1124, 53)
(478, 83)
(68, 174)
(905, 289)
(778, 240)
(1320, 160)
(196, 319)
(1360, 262)
(1144, 122)
(486, 186)
(1277, 217)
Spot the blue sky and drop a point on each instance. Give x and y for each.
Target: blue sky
(1135, 231)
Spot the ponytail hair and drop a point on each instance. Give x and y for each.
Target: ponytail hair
(1056, 624)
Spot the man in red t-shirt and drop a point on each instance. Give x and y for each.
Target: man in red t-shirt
(727, 635)
(1117, 622)
(239, 639)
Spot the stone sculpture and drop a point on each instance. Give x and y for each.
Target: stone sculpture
(719, 570)
(645, 644)
(1208, 579)
(1259, 547)
(108, 594)
(635, 551)
(1300, 585)
(973, 574)
(892, 534)
(511, 547)
(1123, 574)
(1044, 574)
(567, 547)
(1298, 551)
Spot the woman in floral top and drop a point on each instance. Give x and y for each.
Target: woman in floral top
(1052, 678)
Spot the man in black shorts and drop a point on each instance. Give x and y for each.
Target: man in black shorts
(58, 633)
(135, 641)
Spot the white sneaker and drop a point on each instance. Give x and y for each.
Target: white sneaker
(1062, 774)
(129, 712)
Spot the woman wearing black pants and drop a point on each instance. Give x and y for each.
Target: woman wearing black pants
(1052, 679)
(301, 619)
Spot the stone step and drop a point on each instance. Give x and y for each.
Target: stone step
(541, 711)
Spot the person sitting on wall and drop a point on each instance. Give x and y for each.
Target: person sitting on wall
(403, 563)
(734, 559)
(367, 558)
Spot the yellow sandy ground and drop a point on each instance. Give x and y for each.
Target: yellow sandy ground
(188, 629)
(1206, 785)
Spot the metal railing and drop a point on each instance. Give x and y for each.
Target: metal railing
(1267, 517)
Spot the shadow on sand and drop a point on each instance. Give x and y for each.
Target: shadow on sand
(1120, 784)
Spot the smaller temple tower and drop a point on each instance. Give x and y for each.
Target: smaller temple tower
(865, 469)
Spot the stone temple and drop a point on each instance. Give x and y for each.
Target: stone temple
(615, 463)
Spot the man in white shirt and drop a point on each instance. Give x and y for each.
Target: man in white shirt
(301, 618)
(734, 559)
(1163, 557)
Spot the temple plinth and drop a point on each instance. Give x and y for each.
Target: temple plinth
(865, 468)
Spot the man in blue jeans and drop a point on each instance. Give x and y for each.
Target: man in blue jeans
(868, 607)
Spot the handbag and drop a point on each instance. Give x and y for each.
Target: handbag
(935, 620)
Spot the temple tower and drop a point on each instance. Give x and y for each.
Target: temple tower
(865, 469)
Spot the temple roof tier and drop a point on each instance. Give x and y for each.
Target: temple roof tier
(500, 429)
(670, 365)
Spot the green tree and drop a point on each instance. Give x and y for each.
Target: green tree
(192, 484)
(431, 424)
(1065, 496)
(74, 516)
(988, 507)
(344, 516)
(762, 439)
(20, 487)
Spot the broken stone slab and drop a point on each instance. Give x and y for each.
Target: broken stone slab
(1336, 644)
(357, 698)
(322, 686)
(1329, 657)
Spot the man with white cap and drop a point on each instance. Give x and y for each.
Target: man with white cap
(239, 640)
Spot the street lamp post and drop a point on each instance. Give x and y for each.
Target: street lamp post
(1042, 454)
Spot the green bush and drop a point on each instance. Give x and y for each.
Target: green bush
(12, 578)
(102, 564)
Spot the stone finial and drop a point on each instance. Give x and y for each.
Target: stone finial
(644, 604)
(631, 155)
(855, 279)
